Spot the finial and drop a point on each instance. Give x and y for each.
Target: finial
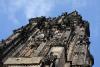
(74, 13)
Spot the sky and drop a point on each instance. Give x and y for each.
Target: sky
(15, 13)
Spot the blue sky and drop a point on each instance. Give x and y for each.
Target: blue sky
(15, 13)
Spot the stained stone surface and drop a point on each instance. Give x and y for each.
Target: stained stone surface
(61, 41)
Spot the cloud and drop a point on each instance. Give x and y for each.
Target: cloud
(77, 4)
(29, 8)
(33, 8)
(10, 8)
(38, 8)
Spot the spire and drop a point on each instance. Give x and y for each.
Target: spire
(75, 13)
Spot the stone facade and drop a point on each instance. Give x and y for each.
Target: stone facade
(61, 41)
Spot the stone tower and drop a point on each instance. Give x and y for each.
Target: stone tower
(61, 41)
